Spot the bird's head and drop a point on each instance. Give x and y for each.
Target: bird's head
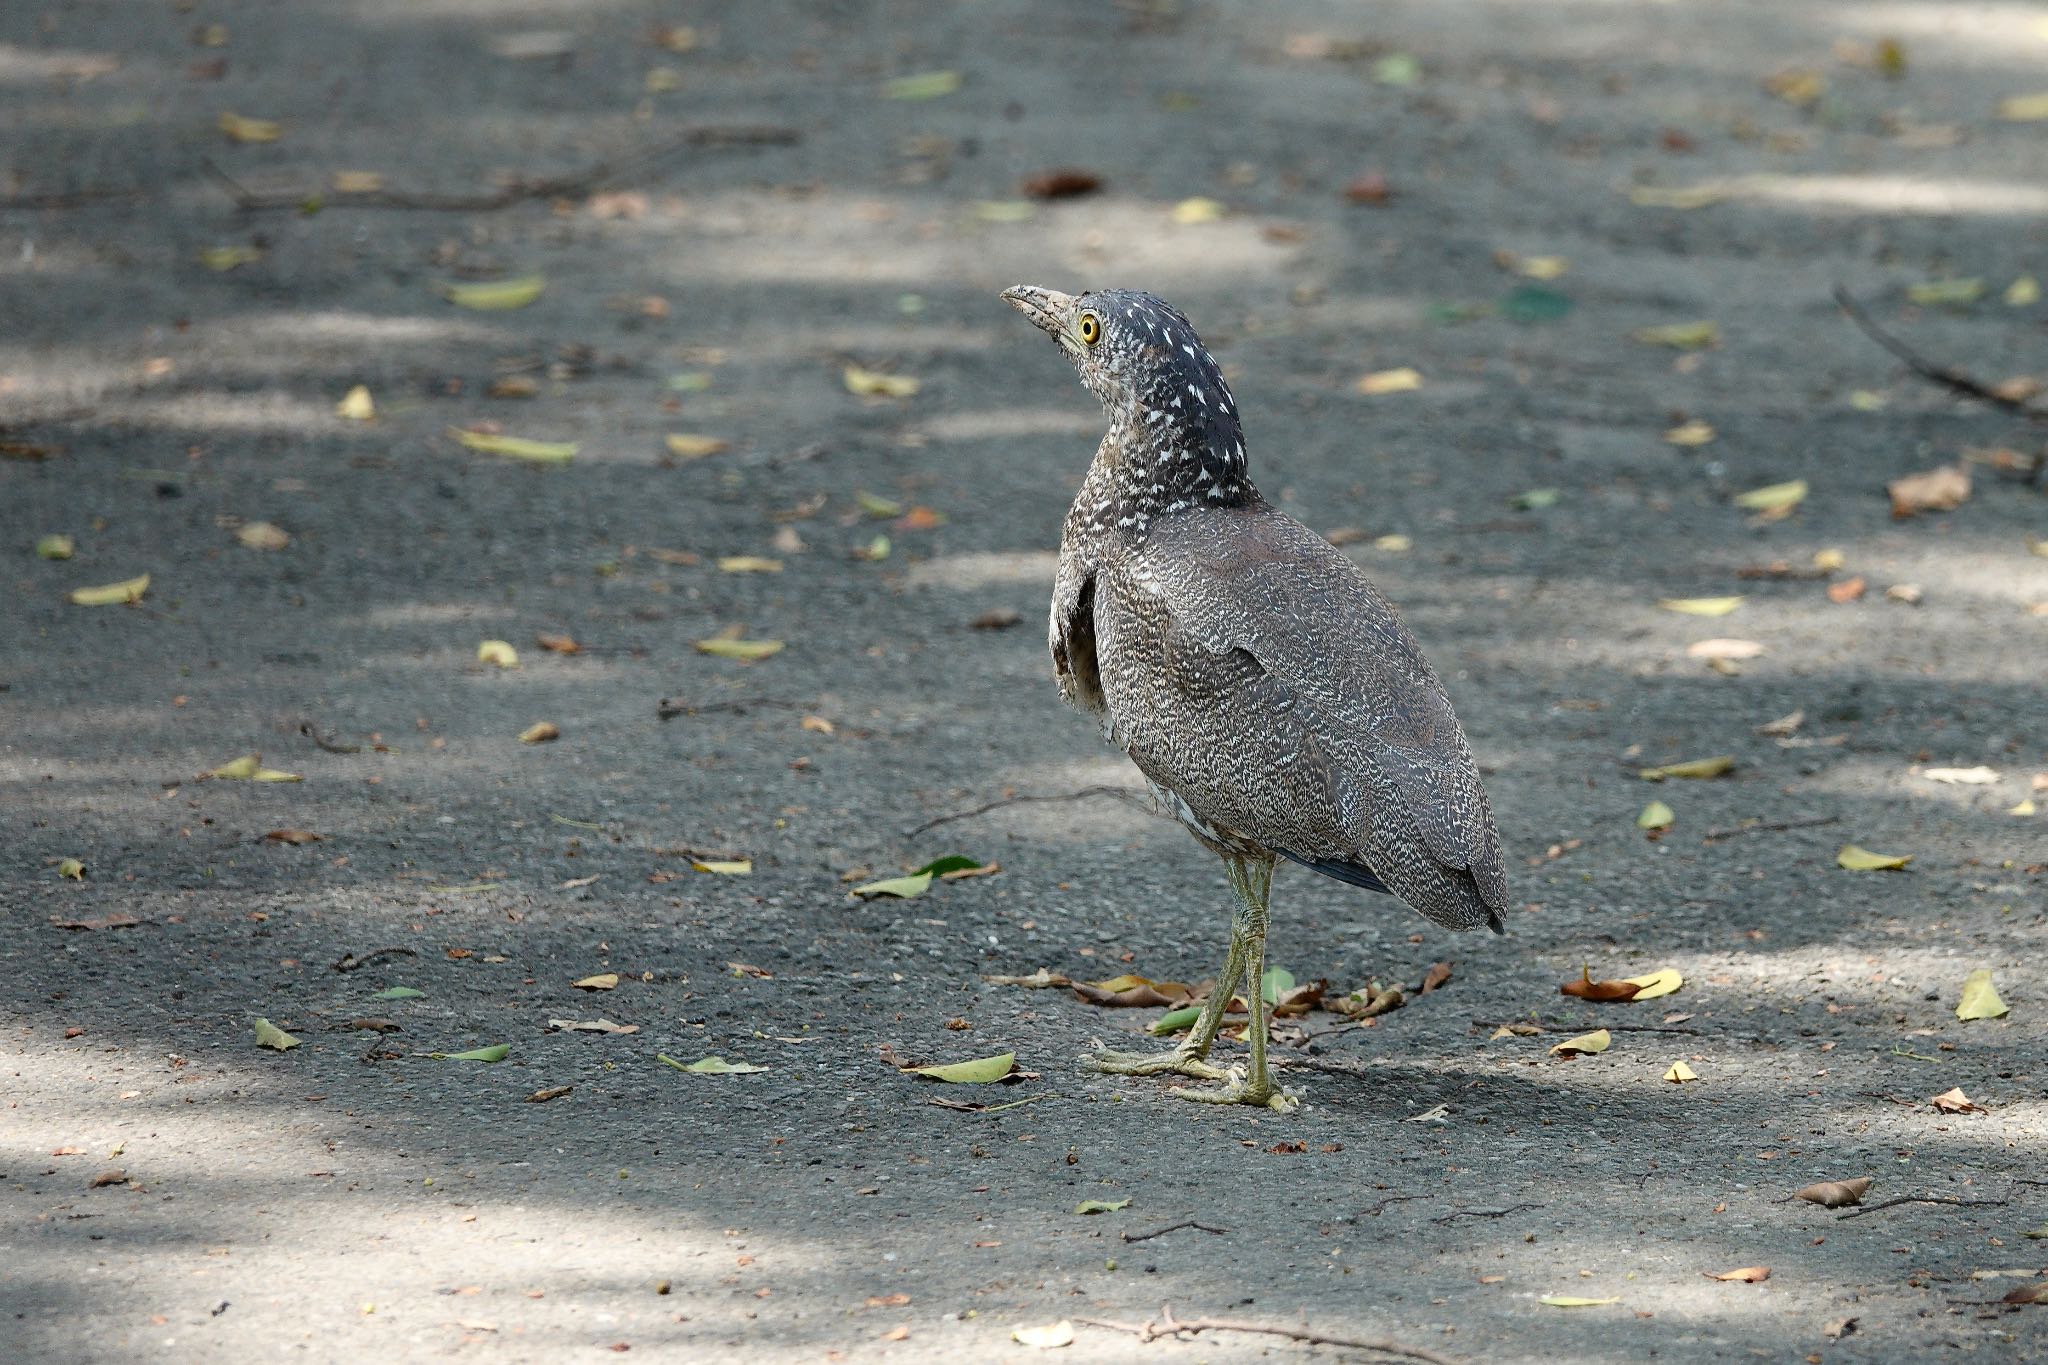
(1171, 414)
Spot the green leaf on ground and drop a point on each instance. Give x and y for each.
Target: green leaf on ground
(1573, 1301)
(1275, 982)
(496, 1052)
(925, 85)
(1863, 860)
(1530, 304)
(980, 1071)
(112, 594)
(1698, 769)
(1773, 497)
(747, 651)
(1535, 500)
(517, 447)
(1980, 998)
(1101, 1205)
(495, 295)
(952, 862)
(55, 547)
(398, 993)
(271, 1036)
(1656, 815)
(1173, 1021)
(1683, 336)
(903, 888)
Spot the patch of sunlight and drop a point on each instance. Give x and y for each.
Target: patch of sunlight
(1883, 194)
(995, 423)
(299, 328)
(32, 66)
(214, 411)
(436, 614)
(2016, 32)
(967, 572)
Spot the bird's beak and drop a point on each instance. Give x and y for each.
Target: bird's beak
(1047, 309)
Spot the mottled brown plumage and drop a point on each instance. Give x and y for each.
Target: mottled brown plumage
(1267, 691)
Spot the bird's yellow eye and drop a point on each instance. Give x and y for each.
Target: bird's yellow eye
(1090, 329)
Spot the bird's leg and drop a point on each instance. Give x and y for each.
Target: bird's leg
(1187, 1058)
(1253, 881)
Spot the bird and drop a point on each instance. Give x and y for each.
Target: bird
(1264, 687)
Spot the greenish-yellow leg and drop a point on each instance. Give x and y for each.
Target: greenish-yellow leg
(1186, 1058)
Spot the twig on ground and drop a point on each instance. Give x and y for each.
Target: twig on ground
(1172, 1227)
(1166, 1325)
(1581, 1028)
(312, 732)
(667, 709)
(1377, 1209)
(1954, 380)
(1772, 827)
(66, 199)
(518, 192)
(1120, 793)
(1484, 1213)
(350, 962)
(1920, 1199)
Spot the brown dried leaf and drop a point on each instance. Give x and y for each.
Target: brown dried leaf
(1933, 490)
(1749, 1274)
(2037, 1292)
(294, 836)
(1586, 988)
(1955, 1102)
(1130, 992)
(558, 644)
(1836, 1194)
(1065, 182)
(1439, 974)
(1848, 590)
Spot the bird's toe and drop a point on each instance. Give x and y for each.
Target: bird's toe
(1172, 1062)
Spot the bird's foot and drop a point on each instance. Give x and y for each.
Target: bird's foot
(1237, 1090)
(1173, 1060)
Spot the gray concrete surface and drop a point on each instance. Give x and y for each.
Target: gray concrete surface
(331, 1203)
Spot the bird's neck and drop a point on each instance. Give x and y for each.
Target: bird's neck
(1158, 459)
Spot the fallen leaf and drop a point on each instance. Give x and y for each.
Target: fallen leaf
(687, 446)
(116, 920)
(1863, 860)
(71, 869)
(1045, 1338)
(1063, 183)
(1101, 1205)
(1723, 649)
(1683, 336)
(748, 564)
(1749, 1274)
(540, 732)
(903, 888)
(356, 405)
(55, 547)
(558, 644)
(398, 993)
(1530, 304)
(1402, 380)
(1846, 591)
(271, 1036)
(896, 1300)
(1005, 210)
(1697, 769)
(241, 768)
(747, 651)
(553, 1092)
(925, 85)
(106, 1178)
(357, 182)
(226, 258)
(1951, 292)
(496, 1052)
(592, 1026)
(603, 981)
(1693, 433)
(1800, 87)
(295, 837)
(710, 1066)
(2024, 806)
(1599, 1040)
(1130, 992)
(1369, 188)
(262, 535)
(1933, 490)
(1835, 1194)
(1042, 979)
(1199, 209)
(1656, 815)
(1908, 593)
(724, 867)
(1535, 499)
(980, 1071)
(2037, 1292)
(1586, 988)
(112, 594)
(1664, 981)
(1680, 1073)
(1700, 606)
(1980, 998)
(493, 296)
(1438, 976)
(874, 383)
(1955, 1102)
(2023, 292)
(240, 129)
(497, 652)
(1393, 544)
(1966, 777)
(1573, 1301)
(517, 447)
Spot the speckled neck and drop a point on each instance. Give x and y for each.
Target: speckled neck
(1174, 443)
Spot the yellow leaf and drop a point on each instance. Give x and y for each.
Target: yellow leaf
(1749, 1274)
(1953, 292)
(225, 258)
(244, 767)
(1799, 88)
(1980, 998)
(2024, 807)
(1698, 769)
(745, 650)
(1663, 981)
(262, 535)
(1693, 433)
(112, 594)
(1773, 497)
(71, 868)
(497, 652)
(1656, 815)
(2023, 291)
(1046, 1338)
(1829, 560)
(873, 383)
(356, 405)
(749, 564)
(55, 547)
(1863, 860)
(1394, 544)
(1867, 400)
(980, 1071)
(541, 732)
(2024, 108)
(1680, 1073)
(1701, 606)
(1541, 267)
(926, 85)
(517, 447)
(274, 775)
(241, 129)
(1197, 210)
(690, 447)
(493, 296)
(357, 182)
(1572, 1301)
(1599, 1040)
(725, 867)
(1402, 380)
(1683, 336)
(271, 1036)
(603, 981)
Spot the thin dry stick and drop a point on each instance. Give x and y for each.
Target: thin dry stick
(1120, 793)
(1166, 1325)
(1172, 1227)
(1772, 827)
(1581, 1028)
(1377, 1209)
(1954, 380)
(518, 192)
(1920, 1199)
(66, 199)
(667, 709)
(1484, 1213)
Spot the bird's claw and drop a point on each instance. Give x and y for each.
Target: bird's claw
(1152, 1064)
(1237, 1090)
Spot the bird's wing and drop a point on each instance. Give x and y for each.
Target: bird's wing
(1071, 636)
(1256, 580)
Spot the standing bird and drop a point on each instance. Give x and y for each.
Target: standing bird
(1268, 692)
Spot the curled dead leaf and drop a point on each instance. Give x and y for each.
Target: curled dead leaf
(1933, 490)
(1749, 1274)
(1836, 1194)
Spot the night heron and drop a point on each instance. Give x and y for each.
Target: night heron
(1267, 691)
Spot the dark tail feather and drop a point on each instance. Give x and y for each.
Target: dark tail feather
(1358, 874)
